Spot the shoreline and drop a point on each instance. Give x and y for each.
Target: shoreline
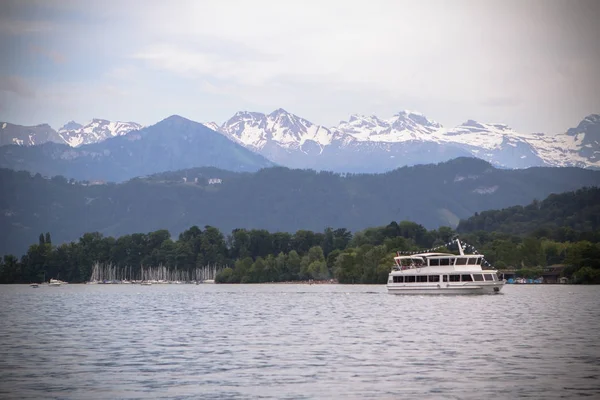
(308, 282)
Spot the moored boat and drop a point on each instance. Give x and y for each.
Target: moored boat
(442, 273)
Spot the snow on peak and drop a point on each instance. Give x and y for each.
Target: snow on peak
(287, 130)
(95, 131)
(212, 125)
(279, 111)
(403, 126)
(495, 142)
(483, 135)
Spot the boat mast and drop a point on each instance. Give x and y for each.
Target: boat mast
(460, 249)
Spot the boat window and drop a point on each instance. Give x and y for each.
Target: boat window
(398, 279)
(454, 278)
(489, 277)
(445, 278)
(434, 278)
(478, 277)
(444, 261)
(461, 261)
(409, 279)
(434, 261)
(422, 278)
(466, 278)
(479, 261)
(452, 261)
(472, 261)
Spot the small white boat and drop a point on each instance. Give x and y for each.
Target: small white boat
(55, 282)
(146, 283)
(442, 273)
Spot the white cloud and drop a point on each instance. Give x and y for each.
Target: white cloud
(532, 64)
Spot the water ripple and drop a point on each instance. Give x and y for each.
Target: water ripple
(296, 342)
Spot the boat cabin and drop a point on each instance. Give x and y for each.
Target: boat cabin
(485, 276)
(436, 259)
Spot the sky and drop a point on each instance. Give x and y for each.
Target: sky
(534, 65)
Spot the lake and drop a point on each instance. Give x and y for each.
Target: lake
(297, 342)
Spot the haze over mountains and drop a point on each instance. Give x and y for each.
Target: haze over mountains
(97, 130)
(177, 173)
(276, 199)
(361, 144)
(172, 144)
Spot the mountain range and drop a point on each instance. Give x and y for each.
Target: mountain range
(372, 144)
(361, 144)
(72, 133)
(172, 144)
(276, 199)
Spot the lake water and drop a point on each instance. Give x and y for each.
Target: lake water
(296, 341)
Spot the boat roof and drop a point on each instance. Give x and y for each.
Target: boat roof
(419, 255)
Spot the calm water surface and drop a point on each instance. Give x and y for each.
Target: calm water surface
(296, 341)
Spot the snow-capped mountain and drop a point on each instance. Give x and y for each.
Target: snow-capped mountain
(373, 144)
(72, 133)
(402, 127)
(97, 130)
(27, 135)
(362, 143)
(256, 130)
(282, 137)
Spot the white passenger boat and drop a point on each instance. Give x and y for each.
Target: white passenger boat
(442, 273)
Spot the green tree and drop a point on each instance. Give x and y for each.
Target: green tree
(346, 268)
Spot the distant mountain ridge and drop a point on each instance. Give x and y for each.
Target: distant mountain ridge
(362, 143)
(27, 135)
(276, 199)
(72, 133)
(371, 144)
(95, 131)
(172, 144)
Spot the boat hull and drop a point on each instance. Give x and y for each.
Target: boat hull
(446, 288)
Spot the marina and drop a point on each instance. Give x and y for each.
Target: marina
(147, 276)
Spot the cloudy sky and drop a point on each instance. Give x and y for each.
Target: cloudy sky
(531, 64)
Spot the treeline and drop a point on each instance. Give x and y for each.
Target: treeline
(570, 216)
(275, 199)
(249, 256)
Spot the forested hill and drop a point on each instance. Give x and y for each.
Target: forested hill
(276, 199)
(558, 214)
